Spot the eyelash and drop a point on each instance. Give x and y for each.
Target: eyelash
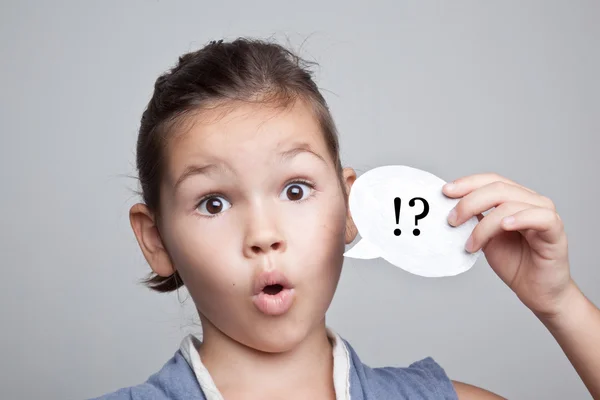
(308, 183)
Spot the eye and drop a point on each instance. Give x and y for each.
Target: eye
(213, 205)
(296, 191)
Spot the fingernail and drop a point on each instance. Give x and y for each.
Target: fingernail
(469, 244)
(509, 220)
(450, 186)
(452, 216)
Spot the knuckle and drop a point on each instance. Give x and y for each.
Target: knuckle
(507, 208)
(459, 213)
(556, 218)
(496, 176)
(499, 185)
(548, 203)
(475, 236)
(461, 206)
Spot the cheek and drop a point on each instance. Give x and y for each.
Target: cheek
(318, 237)
(206, 272)
(214, 280)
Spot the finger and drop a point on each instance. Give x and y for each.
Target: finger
(492, 195)
(491, 226)
(547, 223)
(462, 186)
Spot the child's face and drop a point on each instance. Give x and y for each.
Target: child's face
(260, 218)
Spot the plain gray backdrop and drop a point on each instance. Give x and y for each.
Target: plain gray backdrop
(454, 88)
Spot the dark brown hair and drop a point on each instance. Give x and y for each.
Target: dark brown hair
(220, 73)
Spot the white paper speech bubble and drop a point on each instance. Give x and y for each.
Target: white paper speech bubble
(439, 248)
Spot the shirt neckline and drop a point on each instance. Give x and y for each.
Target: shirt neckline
(341, 366)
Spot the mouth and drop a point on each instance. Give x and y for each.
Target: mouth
(273, 293)
(271, 283)
(272, 289)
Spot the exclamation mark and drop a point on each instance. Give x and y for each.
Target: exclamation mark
(397, 208)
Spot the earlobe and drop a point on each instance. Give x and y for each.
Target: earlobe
(351, 230)
(148, 237)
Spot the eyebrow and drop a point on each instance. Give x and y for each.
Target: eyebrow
(298, 149)
(284, 156)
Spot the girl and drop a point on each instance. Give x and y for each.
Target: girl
(246, 204)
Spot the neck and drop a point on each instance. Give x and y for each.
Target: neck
(236, 368)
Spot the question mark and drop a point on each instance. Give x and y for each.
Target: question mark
(411, 203)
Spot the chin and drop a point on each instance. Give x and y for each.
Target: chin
(278, 336)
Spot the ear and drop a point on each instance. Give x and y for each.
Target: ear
(146, 232)
(351, 231)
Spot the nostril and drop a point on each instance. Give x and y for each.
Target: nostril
(259, 249)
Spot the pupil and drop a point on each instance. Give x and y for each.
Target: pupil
(294, 192)
(214, 206)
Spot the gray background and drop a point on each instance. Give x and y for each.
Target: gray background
(453, 88)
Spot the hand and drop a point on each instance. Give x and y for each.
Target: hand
(522, 238)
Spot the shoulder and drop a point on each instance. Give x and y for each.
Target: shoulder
(174, 381)
(423, 379)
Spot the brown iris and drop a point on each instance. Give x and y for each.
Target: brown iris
(214, 206)
(295, 192)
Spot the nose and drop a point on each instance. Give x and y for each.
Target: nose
(263, 235)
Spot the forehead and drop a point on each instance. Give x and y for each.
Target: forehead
(244, 133)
